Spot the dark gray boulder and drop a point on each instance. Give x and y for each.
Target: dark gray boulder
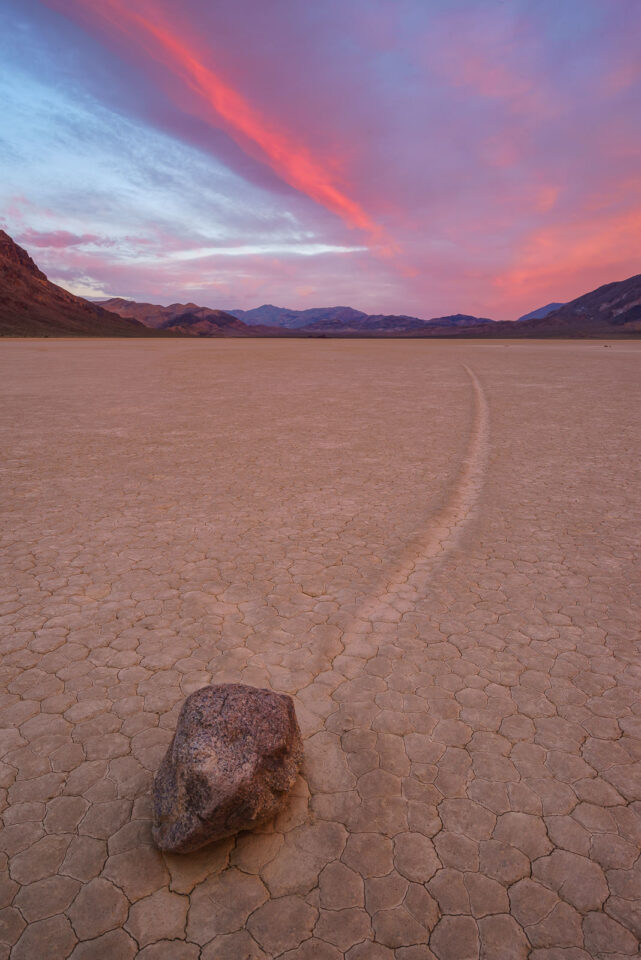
(235, 754)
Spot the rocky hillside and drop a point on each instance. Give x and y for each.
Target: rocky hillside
(612, 310)
(32, 306)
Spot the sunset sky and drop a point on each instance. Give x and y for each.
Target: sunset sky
(401, 156)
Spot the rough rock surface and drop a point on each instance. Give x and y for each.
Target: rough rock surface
(234, 756)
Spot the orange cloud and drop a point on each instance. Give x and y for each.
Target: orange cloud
(226, 107)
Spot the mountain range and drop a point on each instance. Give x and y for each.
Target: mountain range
(186, 319)
(269, 315)
(33, 306)
(347, 320)
(386, 324)
(610, 311)
(268, 320)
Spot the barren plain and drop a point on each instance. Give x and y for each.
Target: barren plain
(433, 546)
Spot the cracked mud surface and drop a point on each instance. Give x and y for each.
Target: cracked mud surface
(434, 547)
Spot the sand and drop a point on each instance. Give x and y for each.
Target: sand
(434, 547)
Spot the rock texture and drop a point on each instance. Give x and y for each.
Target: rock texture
(234, 756)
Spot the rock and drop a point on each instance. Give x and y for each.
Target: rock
(235, 754)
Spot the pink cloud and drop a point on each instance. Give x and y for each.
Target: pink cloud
(61, 239)
(203, 91)
(486, 152)
(567, 259)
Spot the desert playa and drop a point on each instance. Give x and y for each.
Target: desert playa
(432, 546)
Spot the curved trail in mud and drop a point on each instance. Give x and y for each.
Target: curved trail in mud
(411, 570)
(373, 766)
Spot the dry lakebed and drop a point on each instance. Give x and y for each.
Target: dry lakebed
(433, 547)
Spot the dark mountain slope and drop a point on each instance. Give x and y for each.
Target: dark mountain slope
(613, 310)
(31, 306)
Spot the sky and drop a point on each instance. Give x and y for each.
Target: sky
(421, 157)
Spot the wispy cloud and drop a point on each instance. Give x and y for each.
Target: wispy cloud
(277, 151)
(62, 238)
(173, 44)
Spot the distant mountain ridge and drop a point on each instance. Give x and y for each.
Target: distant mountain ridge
(269, 320)
(187, 319)
(347, 320)
(272, 316)
(32, 306)
(611, 310)
(391, 324)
